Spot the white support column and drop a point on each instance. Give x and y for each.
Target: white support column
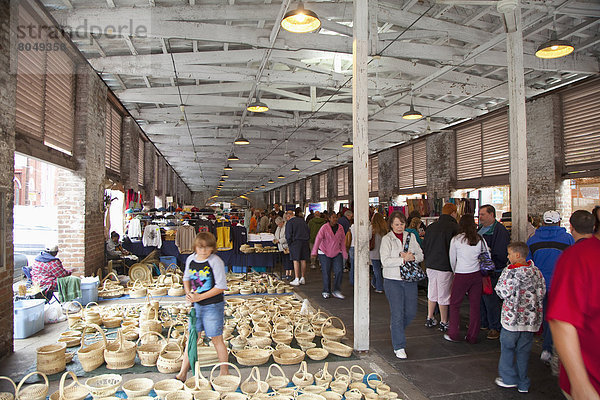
(517, 118)
(360, 154)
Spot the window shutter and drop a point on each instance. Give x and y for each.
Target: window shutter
(141, 162)
(374, 174)
(468, 152)
(308, 187)
(323, 185)
(115, 139)
(581, 127)
(59, 121)
(156, 172)
(495, 145)
(342, 181)
(290, 189)
(405, 167)
(420, 163)
(297, 193)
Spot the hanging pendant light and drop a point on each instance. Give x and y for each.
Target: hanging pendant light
(233, 157)
(227, 168)
(242, 140)
(263, 186)
(271, 181)
(281, 177)
(295, 169)
(554, 48)
(224, 175)
(412, 113)
(300, 20)
(348, 144)
(315, 159)
(257, 106)
(222, 180)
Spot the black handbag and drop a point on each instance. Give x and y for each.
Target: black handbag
(411, 271)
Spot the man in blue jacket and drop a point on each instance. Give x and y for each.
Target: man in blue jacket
(497, 239)
(545, 247)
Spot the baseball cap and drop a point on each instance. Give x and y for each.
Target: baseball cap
(551, 217)
(53, 248)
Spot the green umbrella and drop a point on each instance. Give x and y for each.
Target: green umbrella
(192, 348)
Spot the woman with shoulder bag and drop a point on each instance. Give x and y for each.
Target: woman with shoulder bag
(282, 245)
(399, 252)
(465, 249)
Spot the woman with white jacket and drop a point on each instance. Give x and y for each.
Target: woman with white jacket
(465, 248)
(401, 294)
(282, 245)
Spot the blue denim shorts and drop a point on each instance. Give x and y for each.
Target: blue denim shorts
(209, 318)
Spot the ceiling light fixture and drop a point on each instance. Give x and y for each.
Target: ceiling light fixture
(224, 176)
(315, 159)
(233, 157)
(348, 144)
(271, 181)
(263, 186)
(227, 168)
(257, 106)
(412, 113)
(295, 169)
(554, 48)
(242, 140)
(281, 177)
(300, 20)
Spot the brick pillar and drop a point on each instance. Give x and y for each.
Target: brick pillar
(81, 218)
(129, 155)
(388, 174)
(8, 84)
(441, 164)
(149, 156)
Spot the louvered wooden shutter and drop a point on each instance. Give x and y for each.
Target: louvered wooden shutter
(323, 185)
(405, 167)
(115, 140)
(297, 193)
(468, 152)
(342, 181)
(59, 121)
(374, 174)
(31, 67)
(141, 162)
(581, 127)
(420, 163)
(308, 188)
(156, 172)
(495, 145)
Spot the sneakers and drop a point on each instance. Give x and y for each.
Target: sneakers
(501, 383)
(295, 282)
(379, 291)
(338, 295)
(400, 353)
(448, 338)
(546, 357)
(523, 390)
(325, 295)
(443, 327)
(313, 266)
(431, 322)
(493, 334)
(302, 281)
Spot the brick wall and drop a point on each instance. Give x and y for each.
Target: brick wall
(441, 171)
(149, 156)
(388, 174)
(7, 148)
(129, 154)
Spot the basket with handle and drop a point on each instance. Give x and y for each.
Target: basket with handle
(157, 291)
(323, 377)
(337, 348)
(252, 356)
(51, 358)
(276, 381)
(342, 373)
(331, 395)
(91, 315)
(112, 321)
(170, 361)
(120, 354)
(383, 389)
(37, 391)
(317, 354)
(138, 387)
(286, 355)
(357, 374)
(374, 380)
(148, 352)
(225, 383)
(166, 386)
(197, 383)
(282, 336)
(330, 332)
(306, 345)
(179, 395)
(73, 391)
(353, 394)
(104, 385)
(138, 290)
(302, 377)
(73, 318)
(130, 332)
(8, 395)
(152, 324)
(111, 289)
(304, 332)
(317, 321)
(253, 385)
(92, 356)
(176, 290)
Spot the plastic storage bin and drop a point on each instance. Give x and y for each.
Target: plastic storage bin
(28, 317)
(238, 270)
(168, 260)
(259, 269)
(89, 292)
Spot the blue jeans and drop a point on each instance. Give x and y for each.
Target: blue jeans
(514, 357)
(377, 280)
(337, 265)
(402, 297)
(209, 318)
(491, 305)
(546, 334)
(351, 257)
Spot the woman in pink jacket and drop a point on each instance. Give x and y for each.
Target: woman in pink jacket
(331, 247)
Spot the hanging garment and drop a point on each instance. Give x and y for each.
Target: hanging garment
(240, 237)
(152, 236)
(184, 239)
(224, 241)
(170, 235)
(135, 228)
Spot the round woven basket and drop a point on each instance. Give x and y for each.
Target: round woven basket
(158, 291)
(259, 341)
(339, 386)
(253, 385)
(73, 318)
(286, 355)
(8, 395)
(104, 385)
(176, 290)
(353, 394)
(92, 356)
(140, 272)
(323, 377)
(330, 332)
(317, 354)
(234, 396)
(138, 387)
(138, 290)
(120, 354)
(331, 395)
(342, 373)
(313, 389)
(357, 374)
(382, 389)
(317, 321)
(51, 358)
(179, 395)
(37, 391)
(69, 341)
(282, 337)
(304, 333)
(306, 345)
(112, 322)
(310, 396)
(130, 332)
(225, 383)
(169, 361)
(337, 348)
(275, 381)
(207, 395)
(166, 386)
(252, 356)
(302, 377)
(197, 383)
(151, 324)
(148, 352)
(74, 391)
(374, 380)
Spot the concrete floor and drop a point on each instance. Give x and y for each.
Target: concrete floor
(435, 369)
